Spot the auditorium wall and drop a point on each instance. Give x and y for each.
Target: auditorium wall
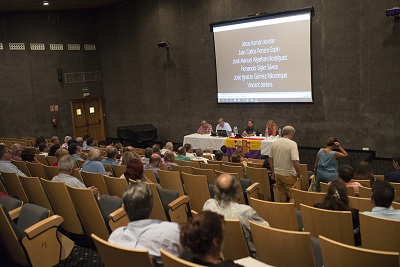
(355, 54)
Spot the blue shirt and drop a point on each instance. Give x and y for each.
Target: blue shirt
(93, 166)
(7, 166)
(109, 161)
(393, 176)
(76, 157)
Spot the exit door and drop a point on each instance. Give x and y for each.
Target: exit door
(87, 118)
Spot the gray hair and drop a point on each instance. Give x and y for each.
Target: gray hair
(230, 194)
(94, 154)
(288, 130)
(65, 163)
(138, 201)
(67, 138)
(169, 146)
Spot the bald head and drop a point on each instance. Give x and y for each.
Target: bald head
(155, 159)
(288, 131)
(227, 188)
(94, 154)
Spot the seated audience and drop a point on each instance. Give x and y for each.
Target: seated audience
(89, 144)
(205, 128)
(156, 149)
(182, 154)
(54, 140)
(66, 139)
(5, 161)
(346, 173)
(336, 199)
(53, 149)
(394, 176)
(198, 156)
(134, 171)
(218, 156)
(189, 151)
(43, 149)
(28, 154)
(155, 163)
(167, 147)
(142, 232)
(148, 151)
(111, 154)
(128, 155)
(59, 154)
(364, 172)
(16, 150)
(382, 197)
(93, 163)
(169, 158)
(237, 156)
(79, 141)
(227, 194)
(73, 152)
(203, 236)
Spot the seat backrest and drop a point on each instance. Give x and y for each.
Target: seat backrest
(36, 170)
(3, 188)
(158, 211)
(235, 244)
(255, 165)
(197, 189)
(95, 179)
(42, 159)
(210, 166)
(364, 192)
(338, 254)
(397, 189)
(62, 205)
(350, 191)
(260, 175)
(337, 225)
(113, 255)
(35, 192)
(138, 150)
(269, 241)
(119, 170)
(234, 164)
(195, 164)
(80, 162)
(362, 204)
(234, 169)
(10, 203)
(324, 187)
(307, 198)
(171, 180)
(14, 186)
(220, 163)
(116, 186)
(88, 211)
(178, 210)
(149, 173)
(51, 171)
(77, 175)
(379, 177)
(21, 165)
(207, 172)
(252, 191)
(304, 177)
(379, 233)
(52, 160)
(107, 168)
(396, 205)
(278, 214)
(181, 169)
(170, 260)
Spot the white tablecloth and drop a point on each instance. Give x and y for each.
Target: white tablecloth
(204, 140)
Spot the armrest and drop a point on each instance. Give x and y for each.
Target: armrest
(15, 213)
(117, 214)
(37, 228)
(178, 202)
(252, 188)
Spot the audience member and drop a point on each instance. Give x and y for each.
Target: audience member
(227, 194)
(394, 176)
(382, 197)
(326, 164)
(148, 151)
(111, 154)
(28, 154)
(53, 149)
(224, 149)
(182, 154)
(59, 154)
(128, 155)
(203, 236)
(39, 139)
(54, 140)
(156, 149)
(167, 147)
(219, 155)
(142, 232)
(134, 171)
(205, 128)
(5, 161)
(336, 199)
(89, 144)
(284, 163)
(79, 141)
(66, 139)
(16, 150)
(237, 156)
(346, 173)
(73, 152)
(155, 163)
(169, 158)
(93, 164)
(198, 156)
(209, 151)
(222, 125)
(251, 129)
(43, 149)
(271, 128)
(364, 172)
(189, 151)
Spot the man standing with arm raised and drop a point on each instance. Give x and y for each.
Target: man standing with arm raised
(284, 162)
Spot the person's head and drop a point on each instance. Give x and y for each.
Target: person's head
(218, 155)
(28, 154)
(346, 173)
(209, 149)
(79, 140)
(43, 147)
(204, 234)
(382, 194)
(138, 201)
(134, 170)
(66, 165)
(250, 123)
(72, 148)
(39, 140)
(336, 197)
(155, 160)
(236, 158)
(118, 146)
(54, 139)
(61, 153)
(227, 188)
(109, 142)
(89, 141)
(169, 156)
(224, 149)
(181, 151)
(221, 122)
(128, 148)
(203, 123)
(127, 156)
(72, 141)
(199, 152)
(5, 153)
(188, 148)
(288, 131)
(331, 141)
(270, 124)
(94, 154)
(67, 138)
(16, 149)
(111, 152)
(364, 172)
(169, 146)
(156, 148)
(396, 161)
(53, 149)
(148, 151)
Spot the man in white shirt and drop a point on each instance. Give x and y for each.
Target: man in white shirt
(222, 125)
(5, 161)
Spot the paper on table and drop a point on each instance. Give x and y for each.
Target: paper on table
(251, 262)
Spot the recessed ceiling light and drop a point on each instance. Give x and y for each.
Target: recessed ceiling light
(45, 3)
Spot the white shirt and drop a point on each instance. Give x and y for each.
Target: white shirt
(226, 127)
(283, 151)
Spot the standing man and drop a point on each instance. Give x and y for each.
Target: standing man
(205, 128)
(284, 162)
(222, 125)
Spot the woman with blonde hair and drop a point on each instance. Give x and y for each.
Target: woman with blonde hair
(271, 128)
(128, 156)
(326, 164)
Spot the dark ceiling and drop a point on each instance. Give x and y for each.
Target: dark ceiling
(28, 5)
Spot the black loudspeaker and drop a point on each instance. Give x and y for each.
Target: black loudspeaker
(59, 74)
